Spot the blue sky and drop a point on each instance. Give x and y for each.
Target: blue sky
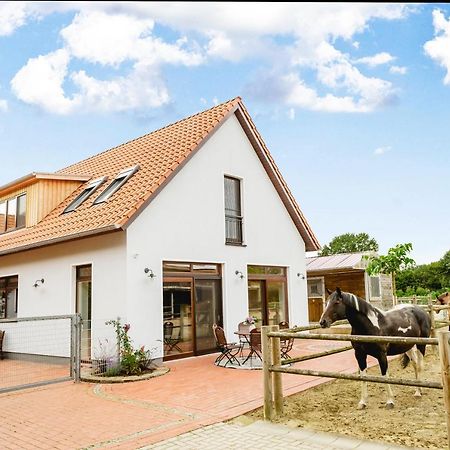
(353, 100)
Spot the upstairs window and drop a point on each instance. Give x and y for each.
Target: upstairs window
(13, 213)
(233, 211)
(85, 194)
(119, 181)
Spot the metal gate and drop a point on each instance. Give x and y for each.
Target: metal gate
(39, 350)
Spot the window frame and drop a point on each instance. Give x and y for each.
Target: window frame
(6, 205)
(123, 176)
(234, 216)
(79, 199)
(14, 281)
(376, 297)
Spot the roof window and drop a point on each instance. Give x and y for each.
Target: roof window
(118, 182)
(85, 194)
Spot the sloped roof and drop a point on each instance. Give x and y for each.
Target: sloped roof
(335, 262)
(159, 155)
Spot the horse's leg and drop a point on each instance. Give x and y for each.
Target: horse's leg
(382, 360)
(361, 357)
(413, 355)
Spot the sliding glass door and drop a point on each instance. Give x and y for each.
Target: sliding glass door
(192, 303)
(267, 294)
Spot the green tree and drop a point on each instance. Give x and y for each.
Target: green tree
(397, 259)
(350, 243)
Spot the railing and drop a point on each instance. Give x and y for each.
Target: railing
(273, 367)
(233, 229)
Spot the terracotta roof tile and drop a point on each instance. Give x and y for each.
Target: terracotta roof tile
(159, 154)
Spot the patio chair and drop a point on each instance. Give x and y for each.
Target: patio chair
(286, 344)
(171, 341)
(255, 345)
(228, 350)
(244, 339)
(2, 335)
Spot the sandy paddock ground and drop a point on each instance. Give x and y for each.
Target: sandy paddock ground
(414, 422)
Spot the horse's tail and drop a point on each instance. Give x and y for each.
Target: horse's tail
(405, 361)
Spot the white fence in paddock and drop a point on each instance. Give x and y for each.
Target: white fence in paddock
(39, 350)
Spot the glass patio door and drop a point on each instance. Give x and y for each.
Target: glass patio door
(84, 307)
(208, 311)
(177, 317)
(267, 294)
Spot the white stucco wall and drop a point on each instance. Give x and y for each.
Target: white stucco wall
(56, 264)
(186, 222)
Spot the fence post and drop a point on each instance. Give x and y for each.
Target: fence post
(414, 300)
(433, 322)
(276, 376)
(77, 343)
(444, 353)
(267, 375)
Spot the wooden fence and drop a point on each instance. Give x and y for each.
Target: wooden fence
(274, 367)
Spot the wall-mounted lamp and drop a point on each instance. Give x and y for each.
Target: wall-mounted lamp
(239, 274)
(301, 276)
(38, 282)
(149, 272)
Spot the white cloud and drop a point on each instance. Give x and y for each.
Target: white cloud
(40, 82)
(121, 38)
(291, 113)
(438, 48)
(400, 70)
(12, 16)
(376, 60)
(382, 150)
(3, 105)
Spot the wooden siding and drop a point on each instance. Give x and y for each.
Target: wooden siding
(43, 196)
(352, 281)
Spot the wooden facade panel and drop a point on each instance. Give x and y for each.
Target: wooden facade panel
(348, 281)
(42, 197)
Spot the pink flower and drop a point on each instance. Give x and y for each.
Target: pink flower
(126, 327)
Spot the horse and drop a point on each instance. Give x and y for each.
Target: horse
(443, 299)
(366, 319)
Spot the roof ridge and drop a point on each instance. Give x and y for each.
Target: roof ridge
(230, 102)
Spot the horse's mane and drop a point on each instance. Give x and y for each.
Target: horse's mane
(358, 303)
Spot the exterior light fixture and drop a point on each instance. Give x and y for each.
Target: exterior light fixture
(301, 276)
(239, 274)
(38, 282)
(149, 272)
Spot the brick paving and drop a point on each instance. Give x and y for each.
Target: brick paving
(194, 394)
(263, 435)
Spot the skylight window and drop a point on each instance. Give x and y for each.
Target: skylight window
(119, 181)
(88, 191)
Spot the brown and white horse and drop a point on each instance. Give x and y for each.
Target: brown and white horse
(443, 299)
(365, 319)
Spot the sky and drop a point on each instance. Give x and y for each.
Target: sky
(352, 99)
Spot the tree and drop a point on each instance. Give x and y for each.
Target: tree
(350, 243)
(396, 259)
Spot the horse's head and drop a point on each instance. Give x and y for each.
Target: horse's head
(334, 309)
(443, 299)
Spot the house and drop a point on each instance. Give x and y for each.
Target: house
(174, 231)
(347, 271)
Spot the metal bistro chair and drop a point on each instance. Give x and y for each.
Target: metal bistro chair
(244, 338)
(170, 341)
(286, 344)
(228, 350)
(255, 345)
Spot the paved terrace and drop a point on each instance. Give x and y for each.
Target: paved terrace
(194, 394)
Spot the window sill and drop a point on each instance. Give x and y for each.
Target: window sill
(235, 244)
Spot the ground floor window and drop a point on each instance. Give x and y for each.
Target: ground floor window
(267, 294)
(192, 304)
(9, 293)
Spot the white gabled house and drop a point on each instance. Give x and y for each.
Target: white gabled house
(191, 224)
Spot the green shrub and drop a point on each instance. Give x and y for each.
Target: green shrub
(132, 361)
